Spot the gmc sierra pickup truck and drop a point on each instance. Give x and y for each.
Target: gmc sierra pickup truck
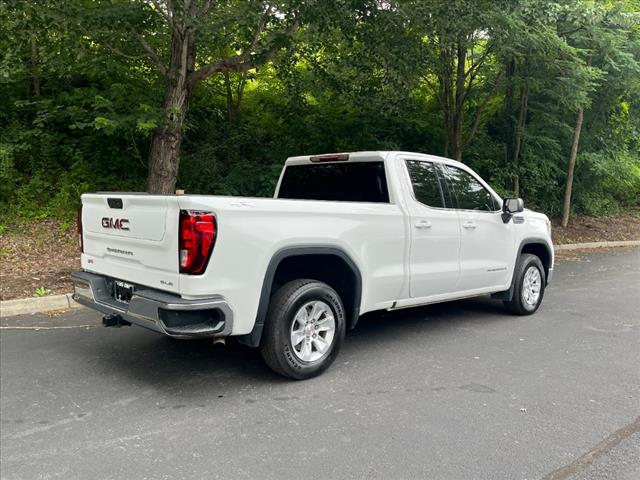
(345, 234)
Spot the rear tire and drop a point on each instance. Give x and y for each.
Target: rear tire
(304, 330)
(529, 284)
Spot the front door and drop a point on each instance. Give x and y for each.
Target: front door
(486, 242)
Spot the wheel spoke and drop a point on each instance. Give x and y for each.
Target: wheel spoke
(317, 311)
(297, 336)
(305, 351)
(321, 344)
(301, 317)
(325, 323)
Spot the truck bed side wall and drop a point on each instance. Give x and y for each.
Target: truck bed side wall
(252, 231)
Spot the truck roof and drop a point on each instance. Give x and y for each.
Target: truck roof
(363, 156)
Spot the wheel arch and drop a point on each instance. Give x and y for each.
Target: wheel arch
(541, 249)
(537, 246)
(318, 262)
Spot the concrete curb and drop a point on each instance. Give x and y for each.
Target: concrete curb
(22, 306)
(582, 246)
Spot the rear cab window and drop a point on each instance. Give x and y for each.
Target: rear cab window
(339, 181)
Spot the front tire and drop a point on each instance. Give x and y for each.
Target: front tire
(304, 330)
(529, 284)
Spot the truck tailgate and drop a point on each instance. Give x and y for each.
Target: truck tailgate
(132, 237)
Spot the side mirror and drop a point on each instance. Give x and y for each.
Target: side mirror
(511, 206)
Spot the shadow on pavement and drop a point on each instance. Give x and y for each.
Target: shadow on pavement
(161, 362)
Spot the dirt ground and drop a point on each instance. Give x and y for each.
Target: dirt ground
(598, 229)
(37, 255)
(36, 258)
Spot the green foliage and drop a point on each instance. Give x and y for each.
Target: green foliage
(40, 292)
(80, 100)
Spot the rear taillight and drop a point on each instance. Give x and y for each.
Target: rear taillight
(197, 236)
(79, 225)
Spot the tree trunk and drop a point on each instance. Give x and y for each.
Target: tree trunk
(35, 78)
(519, 134)
(514, 127)
(233, 104)
(232, 112)
(509, 120)
(457, 125)
(166, 142)
(164, 154)
(446, 63)
(566, 209)
(452, 92)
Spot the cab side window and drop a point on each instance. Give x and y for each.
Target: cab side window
(425, 183)
(468, 192)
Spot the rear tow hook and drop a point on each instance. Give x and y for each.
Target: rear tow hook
(115, 321)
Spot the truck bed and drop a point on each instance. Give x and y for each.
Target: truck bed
(143, 249)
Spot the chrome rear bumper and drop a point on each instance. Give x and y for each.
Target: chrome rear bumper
(156, 310)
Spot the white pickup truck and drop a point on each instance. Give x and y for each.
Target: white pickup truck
(345, 234)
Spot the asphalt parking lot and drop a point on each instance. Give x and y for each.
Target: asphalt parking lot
(452, 391)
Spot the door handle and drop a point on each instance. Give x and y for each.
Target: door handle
(423, 224)
(469, 224)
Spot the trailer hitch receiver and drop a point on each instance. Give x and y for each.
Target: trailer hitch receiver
(115, 321)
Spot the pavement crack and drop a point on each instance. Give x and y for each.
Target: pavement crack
(600, 449)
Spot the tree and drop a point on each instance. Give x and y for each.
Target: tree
(602, 34)
(203, 38)
(537, 64)
(461, 38)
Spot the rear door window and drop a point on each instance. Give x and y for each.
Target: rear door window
(425, 183)
(348, 182)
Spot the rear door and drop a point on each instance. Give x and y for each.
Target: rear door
(132, 237)
(486, 242)
(435, 234)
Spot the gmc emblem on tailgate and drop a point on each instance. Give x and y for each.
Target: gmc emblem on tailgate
(115, 223)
